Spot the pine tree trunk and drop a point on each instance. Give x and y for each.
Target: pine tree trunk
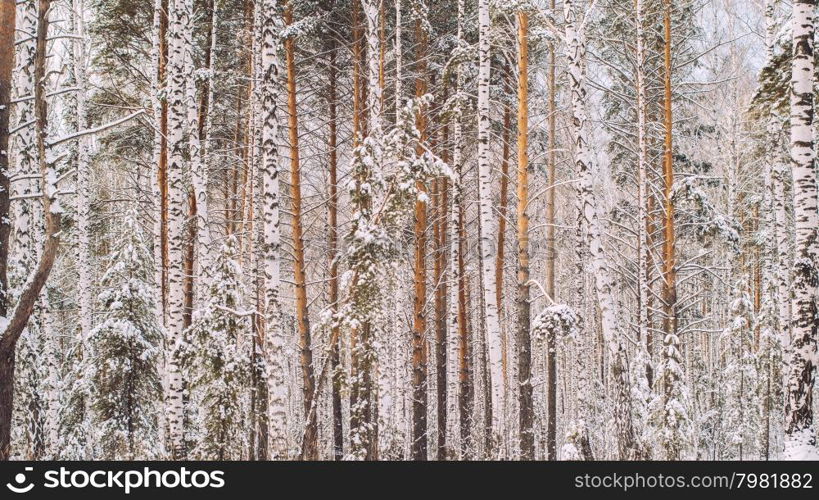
(670, 340)
(526, 411)
(332, 208)
(310, 452)
(503, 209)
(419, 341)
(457, 356)
(161, 160)
(363, 413)
(800, 430)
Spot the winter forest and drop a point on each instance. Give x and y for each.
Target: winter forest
(408, 230)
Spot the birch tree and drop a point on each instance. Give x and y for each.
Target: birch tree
(17, 315)
(487, 225)
(274, 335)
(575, 54)
(800, 431)
(179, 19)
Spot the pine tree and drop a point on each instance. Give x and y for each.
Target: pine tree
(217, 368)
(125, 350)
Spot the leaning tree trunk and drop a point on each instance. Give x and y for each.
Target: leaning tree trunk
(17, 316)
(800, 431)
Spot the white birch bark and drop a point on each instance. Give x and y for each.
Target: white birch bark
(274, 334)
(26, 231)
(214, 30)
(24, 149)
(453, 340)
(783, 250)
(178, 19)
(586, 171)
(198, 168)
(800, 431)
(774, 217)
(487, 226)
(83, 176)
(371, 16)
(642, 144)
(398, 57)
(156, 105)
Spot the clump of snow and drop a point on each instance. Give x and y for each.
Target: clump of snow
(557, 319)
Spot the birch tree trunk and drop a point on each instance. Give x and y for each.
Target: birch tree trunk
(800, 431)
(198, 168)
(179, 19)
(17, 318)
(83, 176)
(773, 261)
(487, 228)
(26, 211)
(586, 171)
(159, 184)
(8, 23)
(274, 336)
(161, 162)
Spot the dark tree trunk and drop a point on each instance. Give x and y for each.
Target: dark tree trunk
(6, 399)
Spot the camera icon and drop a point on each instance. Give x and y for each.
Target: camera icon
(20, 479)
